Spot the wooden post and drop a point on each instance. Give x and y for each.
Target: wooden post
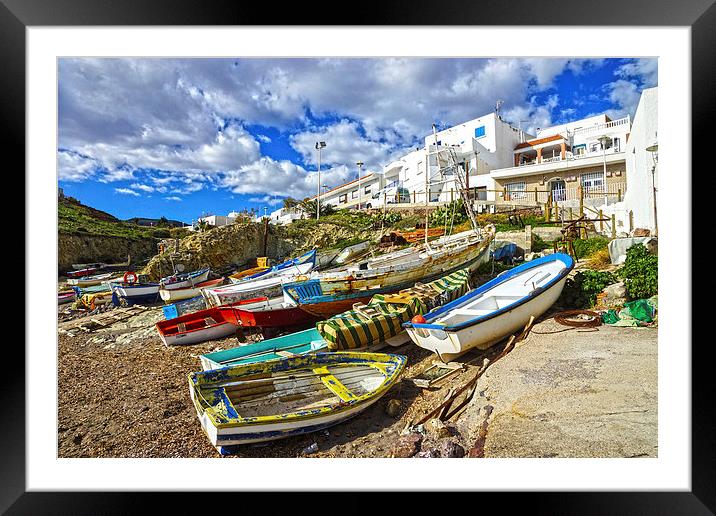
(581, 201)
(614, 226)
(619, 195)
(601, 221)
(536, 201)
(414, 201)
(451, 196)
(570, 214)
(631, 221)
(546, 212)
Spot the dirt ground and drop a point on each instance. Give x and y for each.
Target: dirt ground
(122, 393)
(131, 399)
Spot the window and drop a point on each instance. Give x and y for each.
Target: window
(480, 131)
(617, 145)
(420, 168)
(593, 182)
(343, 198)
(367, 190)
(580, 149)
(594, 147)
(515, 191)
(354, 194)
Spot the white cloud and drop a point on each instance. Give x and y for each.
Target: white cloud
(173, 198)
(263, 138)
(126, 191)
(75, 167)
(344, 145)
(625, 95)
(646, 70)
(281, 178)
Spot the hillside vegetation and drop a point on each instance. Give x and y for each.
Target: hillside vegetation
(75, 218)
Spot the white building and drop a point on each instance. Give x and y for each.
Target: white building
(351, 194)
(638, 209)
(585, 154)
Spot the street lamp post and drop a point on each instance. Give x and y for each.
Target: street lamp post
(360, 193)
(319, 146)
(654, 149)
(604, 140)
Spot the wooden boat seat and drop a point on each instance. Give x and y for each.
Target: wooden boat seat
(474, 313)
(210, 321)
(181, 327)
(285, 354)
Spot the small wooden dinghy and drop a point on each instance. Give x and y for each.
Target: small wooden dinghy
(188, 279)
(195, 327)
(275, 399)
(177, 294)
(90, 281)
(135, 292)
(261, 266)
(278, 312)
(82, 272)
(263, 284)
(66, 296)
(299, 343)
(489, 313)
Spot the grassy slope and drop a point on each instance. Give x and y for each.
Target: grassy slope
(73, 217)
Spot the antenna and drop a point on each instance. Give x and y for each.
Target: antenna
(498, 105)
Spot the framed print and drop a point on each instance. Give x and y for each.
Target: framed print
(280, 247)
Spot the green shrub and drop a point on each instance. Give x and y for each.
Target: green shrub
(586, 248)
(640, 272)
(449, 213)
(160, 233)
(581, 292)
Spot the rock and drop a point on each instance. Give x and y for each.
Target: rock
(407, 446)
(428, 454)
(310, 449)
(615, 295)
(531, 256)
(392, 408)
(451, 450)
(641, 232)
(437, 428)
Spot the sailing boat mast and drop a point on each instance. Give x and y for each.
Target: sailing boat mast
(427, 181)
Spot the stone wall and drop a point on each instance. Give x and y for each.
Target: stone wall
(87, 248)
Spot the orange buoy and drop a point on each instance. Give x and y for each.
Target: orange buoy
(418, 319)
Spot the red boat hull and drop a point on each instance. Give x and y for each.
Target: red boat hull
(81, 273)
(279, 318)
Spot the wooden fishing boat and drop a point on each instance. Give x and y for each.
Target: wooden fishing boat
(188, 279)
(82, 272)
(90, 281)
(177, 294)
(135, 292)
(195, 327)
(489, 313)
(66, 297)
(263, 284)
(299, 343)
(261, 266)
(271, 313)
(332, 292)
(93, 300)
(104, 266)
(275, 399)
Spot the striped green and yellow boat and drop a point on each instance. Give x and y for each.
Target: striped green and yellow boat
(382, 318)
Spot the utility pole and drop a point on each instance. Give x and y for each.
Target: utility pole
(360, 192)
(319, 146)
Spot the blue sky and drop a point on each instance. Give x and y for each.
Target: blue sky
(181, 138)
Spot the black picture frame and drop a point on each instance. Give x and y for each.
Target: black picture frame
(17, 15)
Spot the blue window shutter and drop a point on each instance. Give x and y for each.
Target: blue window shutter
(479, 131)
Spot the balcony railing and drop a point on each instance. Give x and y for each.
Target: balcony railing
(602, 127)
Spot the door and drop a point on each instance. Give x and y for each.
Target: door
(559, 190)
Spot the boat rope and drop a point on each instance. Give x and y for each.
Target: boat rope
(578, 318)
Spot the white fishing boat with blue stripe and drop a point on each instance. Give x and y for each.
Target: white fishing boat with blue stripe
(263, 284)
(486, 315)
(186, 280)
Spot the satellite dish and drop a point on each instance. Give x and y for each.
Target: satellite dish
(180, 267)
